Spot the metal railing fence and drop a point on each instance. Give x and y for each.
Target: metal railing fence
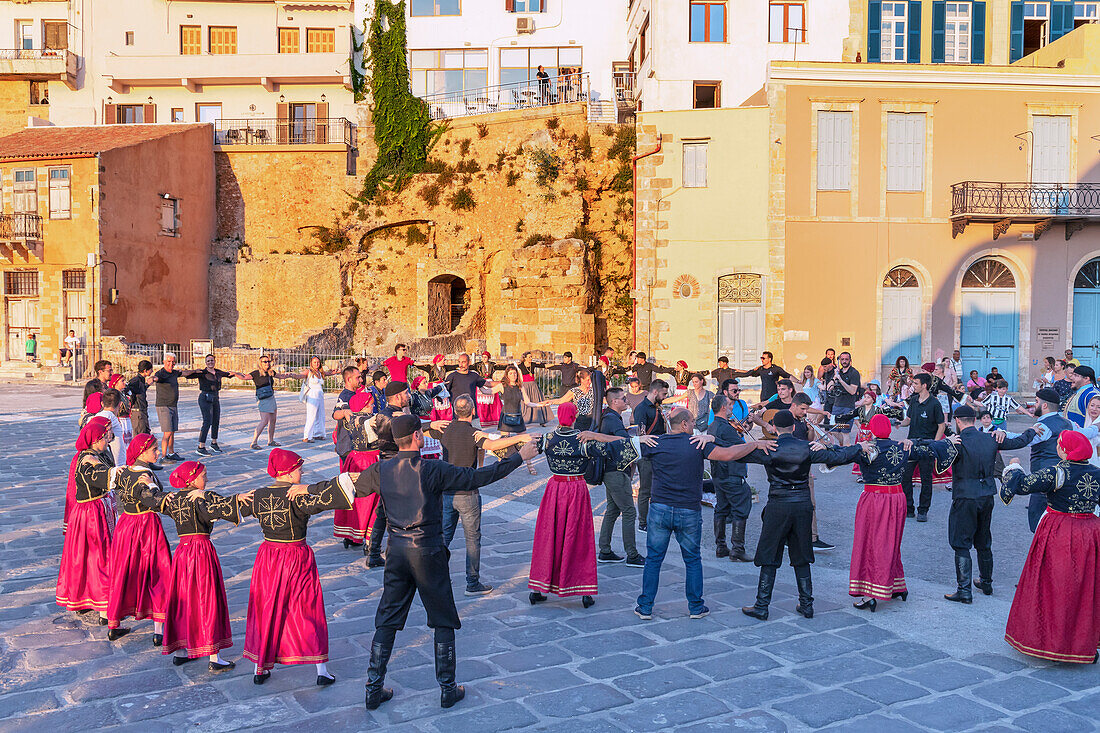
(530, 94)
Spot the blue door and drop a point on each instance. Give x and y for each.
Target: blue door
(989, 333)
(1086, 326)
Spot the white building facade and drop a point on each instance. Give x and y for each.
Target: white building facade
(704, 54)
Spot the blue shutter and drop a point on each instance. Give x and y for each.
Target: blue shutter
(939, 31)
(1061, 19)
(1016, 44)
(977, 34)
(914, 32)
(874, 31)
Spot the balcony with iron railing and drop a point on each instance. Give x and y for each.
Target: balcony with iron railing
(624, 88)
(1043, 204)
(38, 63)
(522, 95)
(20, 227)
(268, 131)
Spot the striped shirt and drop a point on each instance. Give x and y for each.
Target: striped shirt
(999, 406)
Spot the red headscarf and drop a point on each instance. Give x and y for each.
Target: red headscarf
(1075, 445)
(437, 358)
(281, 462)
(115, 379)
(92, 431)
(879, 425)
(682, 364)
(928, 367)
(139, 445)
(416, 382)
(567, 414)
(486, 354)
(94, 403)
(185, 473)
(360, 400)
(607, 361)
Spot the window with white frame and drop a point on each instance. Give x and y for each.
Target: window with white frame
(1085, 12)
(435, 71)
(834, 151)
(170, 217)
(435, 7)
(60, 193)
(957, 33)
(695, 165)
(25, 192)
(894, 31)
(905, 151)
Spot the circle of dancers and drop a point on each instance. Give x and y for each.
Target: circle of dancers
(411, 466)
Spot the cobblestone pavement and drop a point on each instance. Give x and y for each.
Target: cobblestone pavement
(922, 665)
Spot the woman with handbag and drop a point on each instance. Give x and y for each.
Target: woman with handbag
(313, 396)
(513, 402)
(264, 380)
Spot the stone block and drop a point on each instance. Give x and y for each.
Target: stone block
(824, 708)
(1046, 721)
(887, 690)
(1019, 693)
(488, 719)
(905, 654)
(948, 675)
(746, 692)
(949, 713)
(660, 681)
(577, 701)
(685, 707)
(735, 664)
(526, 659)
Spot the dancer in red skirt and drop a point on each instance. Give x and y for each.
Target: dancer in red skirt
(286, 609)
(563, 559)
(197, 614)
(82, 580)
(488, 402)
(354, 525)
(140, 558)
(877, 573)
(1056, 610)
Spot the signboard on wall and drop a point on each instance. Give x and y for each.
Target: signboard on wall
(1048, 337)
(200, 348)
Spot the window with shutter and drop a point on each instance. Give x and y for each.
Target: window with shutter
(290, 40)
(190, 40)
(169, 217)
(894, 31)
(957, 33)
(695, 165)
(56, 34)
(25, 193)
(223, 39)
(905, 151)
(60, 193)
(320, 40)
(834, 151)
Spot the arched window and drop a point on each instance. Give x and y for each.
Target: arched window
(446, 303)
(900, 277)
(1088, 277)
(988, 273)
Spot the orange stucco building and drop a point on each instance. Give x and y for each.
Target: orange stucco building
(105, 231)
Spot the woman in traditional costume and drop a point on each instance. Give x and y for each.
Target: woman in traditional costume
(531, 392)
(353, 525)
(488, 403)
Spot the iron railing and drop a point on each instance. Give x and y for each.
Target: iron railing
(987, 198)
(27, 54)
(20, 226)
(516, 95)
(268, 131)
(624, 86)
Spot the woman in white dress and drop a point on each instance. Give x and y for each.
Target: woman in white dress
(313, 395)
(1092, 417)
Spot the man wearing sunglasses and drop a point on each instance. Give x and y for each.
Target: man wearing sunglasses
(768, 373)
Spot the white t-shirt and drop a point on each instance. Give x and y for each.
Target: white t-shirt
(72, 342)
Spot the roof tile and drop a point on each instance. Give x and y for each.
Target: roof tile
(58, 142)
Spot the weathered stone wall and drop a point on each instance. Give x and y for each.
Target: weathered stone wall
(546, 291)
(15, 106)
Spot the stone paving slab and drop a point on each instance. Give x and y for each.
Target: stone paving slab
(924, 665)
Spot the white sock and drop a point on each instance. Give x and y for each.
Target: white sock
(322, 670)
(181, 653)
(216, 658)
(258, 670)
(158, 627)
(103, 614)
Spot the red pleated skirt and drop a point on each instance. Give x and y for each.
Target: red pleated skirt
(355, 524)
(876, 569)
(140, 564)
(563, 560)
(82, 581)
(197, 614)
(488, 408)
(286, 609)
(938, 479)
(1056, 610)
(862, 434)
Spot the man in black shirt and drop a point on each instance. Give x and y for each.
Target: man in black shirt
(733, 497)
(568, 369)
(617, 481)
(645, 371)
(353, 380)
(411, 489)
(168, 397)
(544, 85)
(461, 444)
(844, 388)
(768, 373)
(722, 372)
(103, 371)
(649, 420)
(136, 389)
(925, 420)
(463, 380)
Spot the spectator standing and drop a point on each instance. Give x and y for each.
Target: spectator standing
(617, 481)
(544, 85)
(844, 389)
(264, 381)
(32, 348)
(168, 397)
(136, 389)
(313, 395)
(926, 421)
(398, 364)
(210, 386)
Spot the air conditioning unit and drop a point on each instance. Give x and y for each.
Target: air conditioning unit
(525, 24)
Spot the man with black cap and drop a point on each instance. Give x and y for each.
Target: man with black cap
(645, 371)
(417, 560)
(1044, 448)
(568, 369)
(788, 515)
(971, 454)
(1083, 379)
(722, 372)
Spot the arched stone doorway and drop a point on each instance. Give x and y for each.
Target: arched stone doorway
(446, 303)
(990, 329)
(902, 316)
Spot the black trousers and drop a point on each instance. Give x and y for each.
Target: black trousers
(968, 524)
(733, 500)
(926, 467)
(786, 524)
(210, 405)
(411, 570)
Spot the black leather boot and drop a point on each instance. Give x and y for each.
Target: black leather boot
(985, 572)
(963, 571)
(450, 693)
(737, 542)
(376, 675)
(720, 548)
(805, 591)
(763, 595)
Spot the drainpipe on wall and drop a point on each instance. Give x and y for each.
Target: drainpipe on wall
(634, 274)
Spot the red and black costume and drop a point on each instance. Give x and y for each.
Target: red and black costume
(354, 525)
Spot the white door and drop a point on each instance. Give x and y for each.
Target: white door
(901, 325)
(76, 313)
(22, 322)
(741, 335)
(1051, 162)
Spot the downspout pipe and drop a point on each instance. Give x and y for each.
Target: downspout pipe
(634, 269)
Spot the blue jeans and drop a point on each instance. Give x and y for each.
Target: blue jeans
(467, 505)
(687, 524)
